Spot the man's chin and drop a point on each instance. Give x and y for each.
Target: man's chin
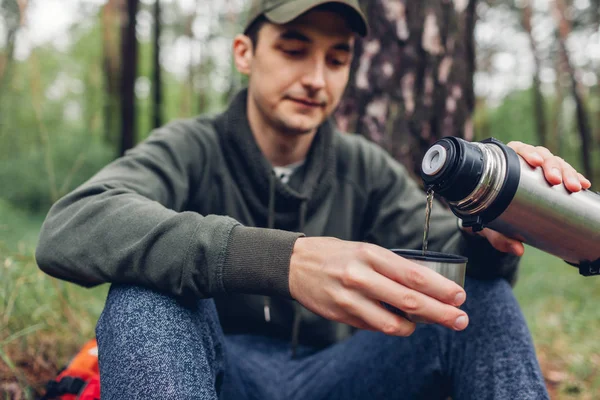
(298, 131)
(300, 128)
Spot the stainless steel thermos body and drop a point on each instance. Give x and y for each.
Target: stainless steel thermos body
(486, 184)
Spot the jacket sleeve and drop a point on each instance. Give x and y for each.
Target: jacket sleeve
(128, 224)
(396, 219)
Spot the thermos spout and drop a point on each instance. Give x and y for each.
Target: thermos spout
(434, 160)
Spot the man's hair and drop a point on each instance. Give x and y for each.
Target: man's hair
(254, 29)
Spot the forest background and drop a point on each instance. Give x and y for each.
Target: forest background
(81, 81)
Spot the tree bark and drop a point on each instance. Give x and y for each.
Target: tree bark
(596, 8)
(129, 56)
(538, 98)
(204, 67)
(232, 18)
(187, 95)
(157, 118)
(7, 59)
(564, 29)
(412, 79)
(12, 13)
(596, 11)
(112, 15)
(12, 16)
(556, 118)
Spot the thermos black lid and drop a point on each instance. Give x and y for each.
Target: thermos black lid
(452, 167)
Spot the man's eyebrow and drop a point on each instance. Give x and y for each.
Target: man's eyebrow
(291, 34)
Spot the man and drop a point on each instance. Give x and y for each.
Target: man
(248, 250)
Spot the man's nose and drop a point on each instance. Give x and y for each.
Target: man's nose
(314, 78)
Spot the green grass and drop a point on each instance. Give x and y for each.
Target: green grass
(561, 308)
(44, 321)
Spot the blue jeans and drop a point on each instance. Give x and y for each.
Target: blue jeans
(152, 347)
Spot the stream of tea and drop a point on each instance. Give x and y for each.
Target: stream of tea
(427, 217)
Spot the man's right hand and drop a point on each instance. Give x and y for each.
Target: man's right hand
(346, 281)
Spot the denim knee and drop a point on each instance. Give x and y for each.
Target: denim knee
(492, 301)
(154, 346)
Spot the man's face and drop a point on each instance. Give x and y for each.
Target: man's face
(298, 71)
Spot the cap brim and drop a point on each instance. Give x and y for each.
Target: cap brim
(292, 10)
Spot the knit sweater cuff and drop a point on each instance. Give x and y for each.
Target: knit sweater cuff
(258, 261)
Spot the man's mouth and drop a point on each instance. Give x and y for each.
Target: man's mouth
(307, 102)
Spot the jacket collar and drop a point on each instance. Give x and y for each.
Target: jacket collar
(252, 172)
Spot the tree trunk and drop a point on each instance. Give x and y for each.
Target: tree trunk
(6, 63)
(538, 99)
(187, 95)
(129, 48)
(156, 78)
(7, 59)
(412, 80)
(12, 17)
(564, 29)
(112, 15)
(204, 66)
(557, 111)
(596, 8)
(235, 79)
(12, 13)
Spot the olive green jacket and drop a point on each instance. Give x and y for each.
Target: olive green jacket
(195, 211)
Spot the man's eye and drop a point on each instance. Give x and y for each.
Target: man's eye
(338, 61)
(293, 52)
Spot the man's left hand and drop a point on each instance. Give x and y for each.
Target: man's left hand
(556, 170)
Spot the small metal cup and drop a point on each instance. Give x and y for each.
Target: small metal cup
(450, 266)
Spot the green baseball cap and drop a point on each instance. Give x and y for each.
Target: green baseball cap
(283, 11)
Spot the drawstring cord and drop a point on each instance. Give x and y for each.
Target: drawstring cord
(303, 208)
(297, 307)
(271, 225)
(271, 216)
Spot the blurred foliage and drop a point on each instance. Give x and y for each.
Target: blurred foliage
(51, 127)
(52, 135)
(513, 120)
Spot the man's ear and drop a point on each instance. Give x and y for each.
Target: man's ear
(242, 53)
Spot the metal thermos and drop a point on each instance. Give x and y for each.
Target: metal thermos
(486, 184)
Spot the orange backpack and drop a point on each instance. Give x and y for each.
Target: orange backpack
(80, 380)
